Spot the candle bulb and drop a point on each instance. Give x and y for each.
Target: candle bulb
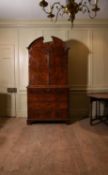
(49, 8)
(96, 2)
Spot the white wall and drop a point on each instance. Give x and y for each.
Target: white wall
(88, 57)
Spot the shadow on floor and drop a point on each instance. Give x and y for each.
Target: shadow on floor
(3, 121)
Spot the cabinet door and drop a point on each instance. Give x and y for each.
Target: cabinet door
(58, 66)
(38, 66)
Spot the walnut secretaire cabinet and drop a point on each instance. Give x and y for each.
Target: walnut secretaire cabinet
(48, 91)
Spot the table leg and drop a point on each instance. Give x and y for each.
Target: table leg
(91, 104)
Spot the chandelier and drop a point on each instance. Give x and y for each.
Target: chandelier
(70, 9)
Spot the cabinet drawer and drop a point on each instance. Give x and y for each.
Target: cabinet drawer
(55, 115)
(61, 114)
(40, 97)
(41, 94)
(47, 95)
(48, 105)
(39, 114)
(42, 105)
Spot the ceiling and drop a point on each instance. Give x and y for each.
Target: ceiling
(30, 10)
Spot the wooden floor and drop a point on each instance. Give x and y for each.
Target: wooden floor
(53, 149)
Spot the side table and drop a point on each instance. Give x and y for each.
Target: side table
(98, 98)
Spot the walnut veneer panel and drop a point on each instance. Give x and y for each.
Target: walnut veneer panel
(48, 91)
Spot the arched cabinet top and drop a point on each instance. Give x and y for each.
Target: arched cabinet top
(39, 42)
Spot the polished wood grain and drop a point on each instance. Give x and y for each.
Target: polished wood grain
(48, 90)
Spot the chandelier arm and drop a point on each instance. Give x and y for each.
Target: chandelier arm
(58, 13)
(52, 8)
(71, 8)
(92, 16)
(59, 8)
(56, 3)
(84, 6)
(82, 1)
(44, 9)
(90, 2)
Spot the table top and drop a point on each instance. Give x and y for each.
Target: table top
(99, 95)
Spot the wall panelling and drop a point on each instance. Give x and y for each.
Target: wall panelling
(88, 58)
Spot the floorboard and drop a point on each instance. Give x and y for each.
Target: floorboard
(53, 149)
